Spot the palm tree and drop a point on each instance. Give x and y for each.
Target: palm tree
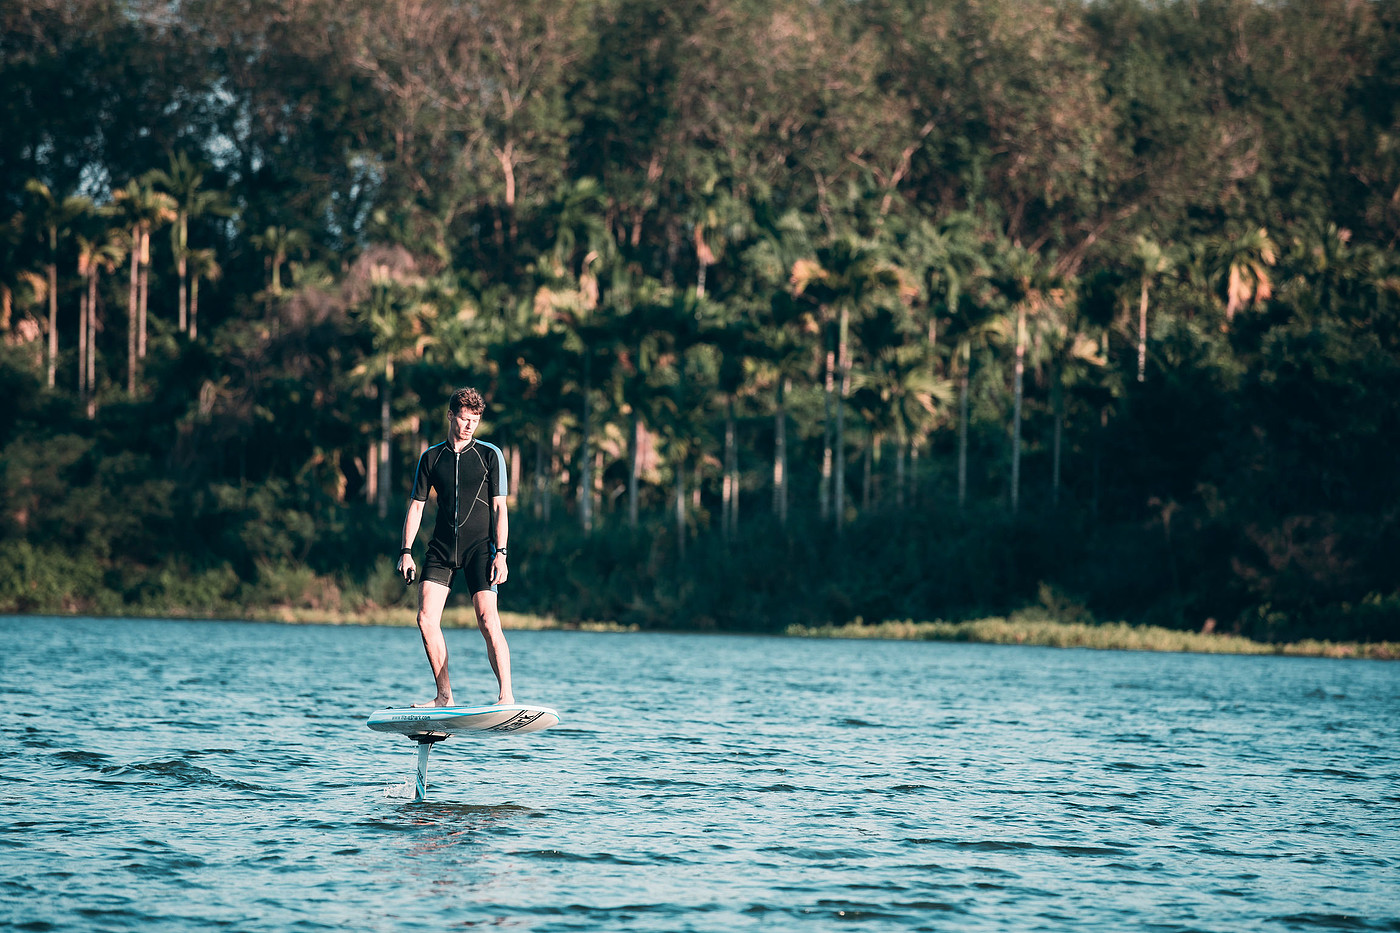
(101, 254)
(903, 397)
(734, 346)
(1021, 284)
(950, 258)
(54, 216)
(279, 243)
(1152, 261)
(849, 274)
(1070, 352)
(143, 208)
(783, 334)
(183, 181)
(1243, 264)
(202, 265)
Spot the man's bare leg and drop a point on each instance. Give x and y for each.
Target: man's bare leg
(431, 599)
(488, 621)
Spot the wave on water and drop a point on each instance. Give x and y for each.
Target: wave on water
(155, 771)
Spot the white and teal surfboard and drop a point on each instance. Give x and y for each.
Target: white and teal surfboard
(451, 720)
(432, 724)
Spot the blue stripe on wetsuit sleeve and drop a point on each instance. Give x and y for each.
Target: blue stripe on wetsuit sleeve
(502, 489)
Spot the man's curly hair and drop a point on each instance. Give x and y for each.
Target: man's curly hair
(470, 399)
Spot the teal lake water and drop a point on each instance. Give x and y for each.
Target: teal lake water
(175, 776)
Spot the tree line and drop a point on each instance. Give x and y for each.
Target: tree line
(785, 311)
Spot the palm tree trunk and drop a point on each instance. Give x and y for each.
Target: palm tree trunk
(53, 312)
(1018, 391)
(182, 268)
(372, 472)
(131, 312)
(780, 455)
(91, 375)
(828, 388)
(194, 307)
(729, 518)
(839, 499)
(82, 344)
(964, 385)
(1142, 333)
(145, 287)
(633, 467)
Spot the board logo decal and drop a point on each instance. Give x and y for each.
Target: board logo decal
(518, 721)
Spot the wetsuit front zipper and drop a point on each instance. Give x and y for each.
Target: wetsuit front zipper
(456, 504)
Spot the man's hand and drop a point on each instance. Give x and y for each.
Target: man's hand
(406, 568)
(498, 568)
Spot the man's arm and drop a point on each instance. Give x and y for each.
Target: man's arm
(411, 520)
(502, 526)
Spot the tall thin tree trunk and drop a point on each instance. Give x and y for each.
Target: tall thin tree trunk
(828, 389)
(131, 320)
(1017, 394)
(844, 364)
(634, 444)
(82, 341)
(182, 268)
(372, 472)
(964, 386)
(1142, 333)
(726, 489)
(91, 361)
(780, 455)
(731, 473)
(194, 307)
(53, 312)
(145, 288)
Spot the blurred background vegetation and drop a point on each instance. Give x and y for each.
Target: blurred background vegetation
(787, 312)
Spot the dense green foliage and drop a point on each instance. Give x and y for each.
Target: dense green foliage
(786, 312)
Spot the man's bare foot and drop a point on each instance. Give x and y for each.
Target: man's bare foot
(505, 699)
(434, 703)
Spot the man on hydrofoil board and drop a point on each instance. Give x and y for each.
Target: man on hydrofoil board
(468, 476)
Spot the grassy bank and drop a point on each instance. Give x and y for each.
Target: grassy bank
(452, 617)
(1115, 636)
(1019, 629)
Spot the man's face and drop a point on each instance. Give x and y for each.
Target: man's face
(463, 423)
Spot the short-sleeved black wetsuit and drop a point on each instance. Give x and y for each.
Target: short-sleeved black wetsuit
(464, 535)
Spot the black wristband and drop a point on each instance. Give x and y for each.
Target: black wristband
(405, 550)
